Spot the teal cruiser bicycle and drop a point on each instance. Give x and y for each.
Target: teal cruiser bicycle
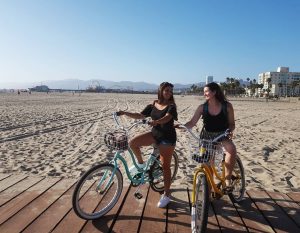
(99, 189)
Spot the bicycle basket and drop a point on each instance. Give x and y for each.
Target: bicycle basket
(205, 151)
(116, 140)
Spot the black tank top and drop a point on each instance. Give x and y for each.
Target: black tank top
(216, 123)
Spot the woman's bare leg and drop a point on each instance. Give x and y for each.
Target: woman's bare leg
(230, 159)
(166, 153)
(145, 139)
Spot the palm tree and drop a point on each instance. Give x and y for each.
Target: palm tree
(268, 90)
(193, 88)
(248, 80)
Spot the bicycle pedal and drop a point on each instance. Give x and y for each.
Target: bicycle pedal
(138, 195)
(138, 176)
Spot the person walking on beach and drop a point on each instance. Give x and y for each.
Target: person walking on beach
(218, 115)
(163, 112)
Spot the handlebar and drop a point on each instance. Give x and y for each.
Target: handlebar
(141, 122)
(216, 139)
(182, 126)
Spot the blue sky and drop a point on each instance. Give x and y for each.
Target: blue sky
(147, 40)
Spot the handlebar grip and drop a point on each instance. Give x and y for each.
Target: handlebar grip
(146, 121)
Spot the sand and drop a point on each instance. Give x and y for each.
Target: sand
(61, 135)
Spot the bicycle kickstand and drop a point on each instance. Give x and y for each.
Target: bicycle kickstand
(137, 193)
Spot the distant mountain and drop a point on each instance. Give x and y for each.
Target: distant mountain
(75, 84)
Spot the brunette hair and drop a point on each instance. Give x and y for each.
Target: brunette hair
(161, 88)
(219, 93)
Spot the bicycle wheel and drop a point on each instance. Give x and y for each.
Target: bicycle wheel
(156, 174)
(97, 191)
(201, 205)
(238, 182)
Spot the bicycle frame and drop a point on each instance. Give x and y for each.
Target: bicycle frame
(209, 171)
(118, 157)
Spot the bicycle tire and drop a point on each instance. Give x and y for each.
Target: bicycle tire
(156, 176)
(201, 206)
(91, 201)
(238, 181)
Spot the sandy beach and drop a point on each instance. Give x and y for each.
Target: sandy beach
(61, 135)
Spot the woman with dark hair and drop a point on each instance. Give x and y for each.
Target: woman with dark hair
(218, 115)
(163, 113)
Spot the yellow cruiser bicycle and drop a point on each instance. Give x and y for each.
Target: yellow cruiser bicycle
(209, 177)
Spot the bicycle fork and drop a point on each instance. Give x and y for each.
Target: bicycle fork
(137, 194)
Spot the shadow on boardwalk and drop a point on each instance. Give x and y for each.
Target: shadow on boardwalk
(37, 204)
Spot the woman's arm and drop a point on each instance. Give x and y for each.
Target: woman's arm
(198, 113)
(230, 114)
(131, 115)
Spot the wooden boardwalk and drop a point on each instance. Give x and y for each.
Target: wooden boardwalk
(32, 204)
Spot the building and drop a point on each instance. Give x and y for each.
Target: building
(42, 88)
(280, 83)
(209, 79)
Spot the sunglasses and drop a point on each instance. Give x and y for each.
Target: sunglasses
(163, 84)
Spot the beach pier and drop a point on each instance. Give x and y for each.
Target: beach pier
(43, 204)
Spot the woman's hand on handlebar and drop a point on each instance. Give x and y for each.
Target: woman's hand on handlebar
(181, 126)
(120, 113)
(229, 134)
(178, 126)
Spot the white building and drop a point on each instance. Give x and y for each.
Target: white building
(281, 82)
(209, 79)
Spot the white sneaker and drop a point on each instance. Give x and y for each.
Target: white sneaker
(164, 201)
(133, 169)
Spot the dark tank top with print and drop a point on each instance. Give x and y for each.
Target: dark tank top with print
(164, 131)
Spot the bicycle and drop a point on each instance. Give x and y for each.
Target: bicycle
(99, 188)
(210, 156)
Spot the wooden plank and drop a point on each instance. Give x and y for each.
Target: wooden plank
(105, 223)
(154, 218)
(212, 223)
(179, 214)
(12, 207)
(291, 208)
(35, 205)
(228, 218)
(25, 216)
(4, 176)
(278, 220)
(10, 181)
(253, 219)
(71, 213)
(72, 223)
(295, 196)
(130, 216)
(17, 189)
(52, 216)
